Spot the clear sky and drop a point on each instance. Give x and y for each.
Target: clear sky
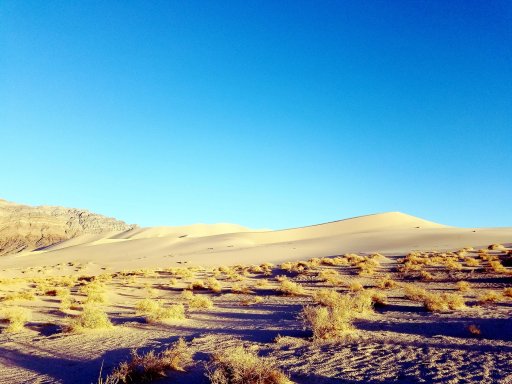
(268, 114)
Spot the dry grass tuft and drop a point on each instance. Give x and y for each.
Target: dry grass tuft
(154, 311)
(291, 288)
(463, 286)
(152, 365)
(91, 318)
(387, 282)
(237, 365)
(16, 318)
(489, 297)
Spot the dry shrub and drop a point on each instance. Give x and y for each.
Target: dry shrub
(474, 330)
(91, 318)
(200, 302)
(507, 292)
(251, 300)
(263, 283)
(426, 276)
(334, 261)
(154, 311)
(291, 288)
(16, 296)
(237, 365)
(327, 322)
(387, 282)
(16, 318)
(334, 318)
(256, 269)
(497, 267)
(330, 276)
(472, 262)
(197, 284)
(213, 284)
(152, 365)
(444, 302)
(496, 247)
(379, 298)
(415, 293)
(453, 265)
(95, 292)
(241, 288)
(355, 286)
(489, 297)
(463, 286)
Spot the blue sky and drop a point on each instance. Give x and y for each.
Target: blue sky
(263, 113)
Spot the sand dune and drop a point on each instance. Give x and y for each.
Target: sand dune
(215, 244)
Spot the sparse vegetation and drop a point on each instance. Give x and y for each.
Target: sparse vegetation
(238, 365)
(91, 318)
(151, 365)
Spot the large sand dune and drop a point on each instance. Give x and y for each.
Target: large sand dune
(217, 244)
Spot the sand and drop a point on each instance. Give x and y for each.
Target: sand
(399, 343)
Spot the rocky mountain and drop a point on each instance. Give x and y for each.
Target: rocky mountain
(24, 228)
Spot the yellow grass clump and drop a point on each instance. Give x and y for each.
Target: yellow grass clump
(213, 284)
(91, 318)
(237, 365)
(15, 317)
(200, 302)
(153, 311)
(291, 288)
(463, 286)
(330, 276)
(151, 365)
(16, 296)
(489, 296)
(386, 282)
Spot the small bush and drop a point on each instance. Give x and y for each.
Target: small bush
(489, 297)
(152, 365)
(237, 365)
(92, 317)
(16, 318)
(387, 282)
(291, 288)
(213, 284)
(463, 286)
(154, 311)
(200, 302)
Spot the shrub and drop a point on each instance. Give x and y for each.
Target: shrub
(444, 302)
(387, 282)
(200, 302)
(92, 317)
(355, 286)
(154, 312)
(23, 295)
(152, 365)
(474, 330)
(16, 318)
(327, 322)
(330, 276)
(241, 288)
(213, 284)
(463, 286)
(197, 284)
(415, 293)
(251, 300)
(291, 288)
(496, 247)
(507, 292)
(237, 365)
(427, 276)
(472, 262)
(489, 297)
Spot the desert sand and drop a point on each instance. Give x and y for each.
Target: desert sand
(401, 340)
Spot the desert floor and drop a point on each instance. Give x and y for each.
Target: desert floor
(401, 340)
